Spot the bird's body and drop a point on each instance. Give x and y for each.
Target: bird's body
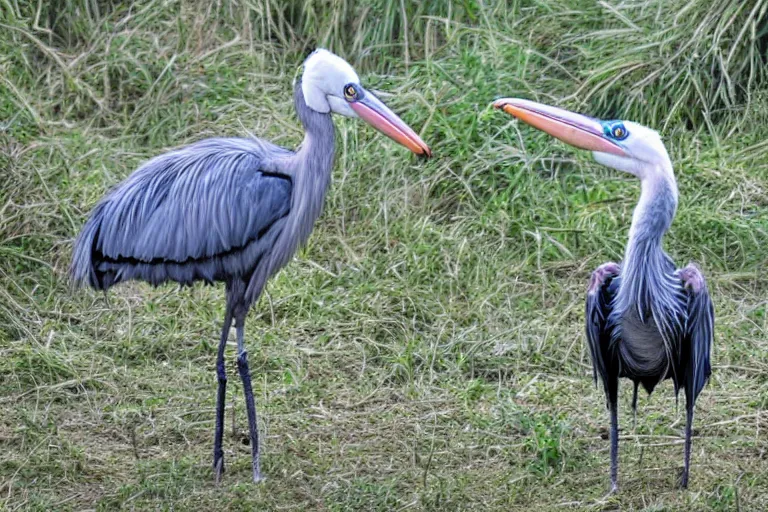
(648, 321)
(240, 209)
(643, 306)
(229, 210)
(645, 319)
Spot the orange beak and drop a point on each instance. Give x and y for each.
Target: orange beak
(575, 129)
(378, 115)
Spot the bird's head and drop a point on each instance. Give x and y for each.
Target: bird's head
(621, 145)
(330, 84)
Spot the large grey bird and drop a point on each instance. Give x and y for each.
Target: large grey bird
(646, 320)
(232, 210)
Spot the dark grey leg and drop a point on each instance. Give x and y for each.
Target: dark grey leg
(245, 375)
(614, 446)
(612, 394)
(634, 406)
(688, 441)
(221, 373)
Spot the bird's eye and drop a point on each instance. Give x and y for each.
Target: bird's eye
(350, 93)
(616, 130)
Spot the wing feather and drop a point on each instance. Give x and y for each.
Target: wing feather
(598, 309)
(198, 202)
(699, 331)
(189, 214)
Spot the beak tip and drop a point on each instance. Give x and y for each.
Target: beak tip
(500, 103)
(387, 122)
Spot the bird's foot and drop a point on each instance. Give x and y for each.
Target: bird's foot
(610, 496)
(256, 467)
(218, 469)
(683, 480)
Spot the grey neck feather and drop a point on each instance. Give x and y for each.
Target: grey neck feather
(647, 309)
(312, 166)
(645, 270)
(310, 171)
(319, 139)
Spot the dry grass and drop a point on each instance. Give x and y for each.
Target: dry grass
(425, 350)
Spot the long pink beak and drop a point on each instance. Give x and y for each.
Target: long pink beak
(378, 115)
(575, 129)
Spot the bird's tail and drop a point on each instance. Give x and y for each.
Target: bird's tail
(82, 271)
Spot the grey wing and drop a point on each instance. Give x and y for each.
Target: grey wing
(598, 309)
(200, 202)
(699, 331)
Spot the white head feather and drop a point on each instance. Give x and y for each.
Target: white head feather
(323, 81)
(646, 154)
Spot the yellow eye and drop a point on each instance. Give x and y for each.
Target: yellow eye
(350, 93)
(618, 132)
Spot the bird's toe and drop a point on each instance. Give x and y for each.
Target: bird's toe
(218, 470)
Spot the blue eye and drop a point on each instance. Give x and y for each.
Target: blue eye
(615, 130)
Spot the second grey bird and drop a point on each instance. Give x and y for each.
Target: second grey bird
(646, 320)
(232, 210)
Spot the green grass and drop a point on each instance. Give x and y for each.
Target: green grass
(425, 351)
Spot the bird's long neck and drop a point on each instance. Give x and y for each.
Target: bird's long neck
(317, 149)
(310, 171)
(644, 269)
(313, 166)
(654, 212)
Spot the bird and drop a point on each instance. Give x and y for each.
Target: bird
(231, 210)
(646, 320)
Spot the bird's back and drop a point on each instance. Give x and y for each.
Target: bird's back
(207, 212)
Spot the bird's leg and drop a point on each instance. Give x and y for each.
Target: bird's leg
(245, 375)
(221, 373)
(634, 406)
(612, 394)
(614, 446)
(688, 441)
